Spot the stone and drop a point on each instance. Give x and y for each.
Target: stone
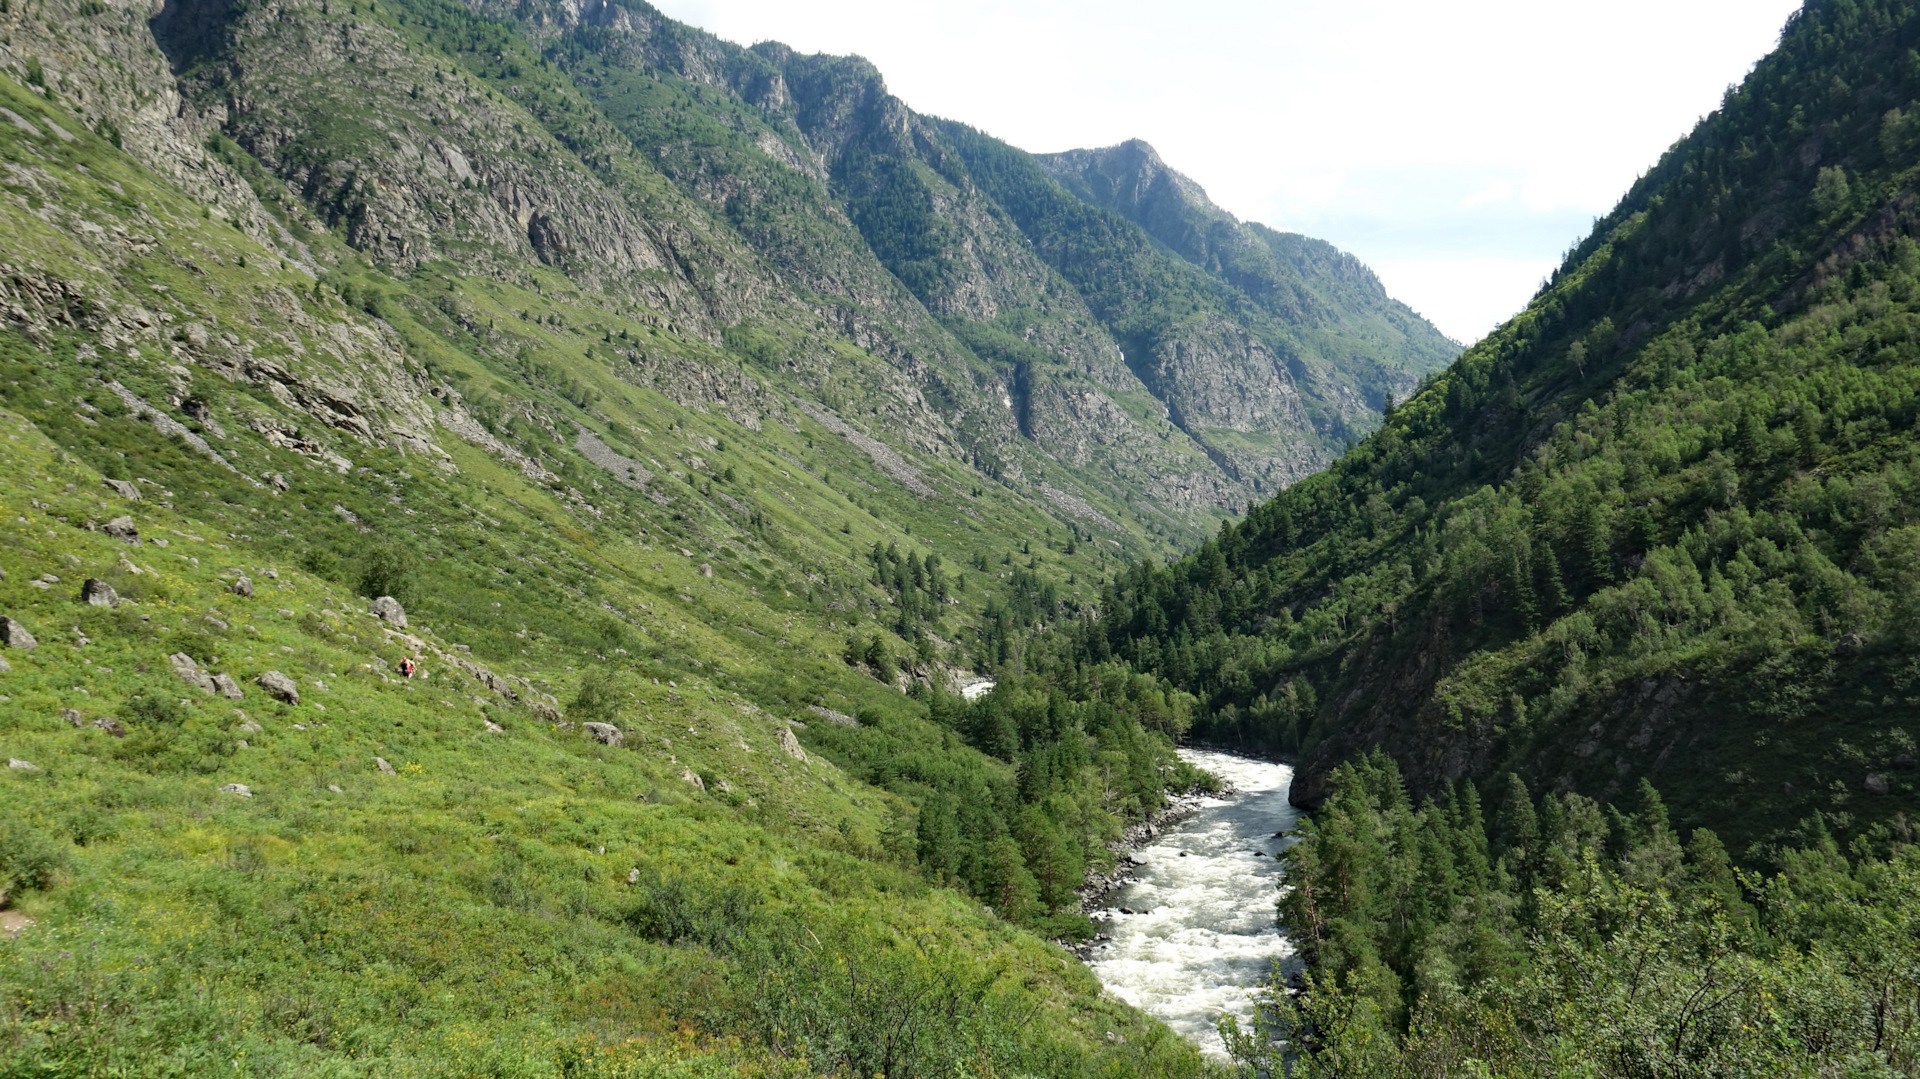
(335, 788)
(385, 768)
(190, 672)
(605, 733)
(4, 665)
(279, 482)
(493, 727)
(224, 685)
(1876, 783)
(15, 762)
(72, 716)
(247, 724)
(128, 491)
(278, 686)
(546, 712)
(633, 875)
(240, 789)
(95, 592)
(1136, 858)
(111, 725)
(388, 610)
(15, 635)
(1900, 760)
(123, 529)
(242, 587)
(706, 569)
(691, 777)
(791, 744)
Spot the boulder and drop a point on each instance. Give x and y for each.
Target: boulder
(5, 666)
(606, 734)
(224, 685)
(1876, 783)
(278, 686)
(385, 768)
(95, 592)
(388, 610)
(791, 744)
(240, 789)
(544, 711)
(128, 491)
(72, 716)
(242, 587)
(15, 762)
(111, 725)
(123, 529)
(693, 777)
(190, 672)
(247, 725)
(15, 635)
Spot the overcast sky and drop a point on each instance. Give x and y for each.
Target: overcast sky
(1458, 148)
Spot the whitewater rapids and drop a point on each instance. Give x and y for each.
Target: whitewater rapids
(1203, 934)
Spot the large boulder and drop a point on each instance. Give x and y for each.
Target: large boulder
(190, 672)
(224, 685)
(791, 744)
(606, 734)
(15, 635)
(388, 610)
(278, 686)
(95, 592)
(123, 529)
(242, 587)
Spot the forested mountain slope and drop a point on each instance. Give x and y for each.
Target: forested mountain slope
(1660, 525)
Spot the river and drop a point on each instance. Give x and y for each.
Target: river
(1203, 934)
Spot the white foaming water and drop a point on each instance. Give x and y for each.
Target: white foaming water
(1210, 936)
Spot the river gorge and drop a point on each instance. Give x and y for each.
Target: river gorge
(1193, 931)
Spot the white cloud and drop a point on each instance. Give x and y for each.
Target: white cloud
(1358, 121)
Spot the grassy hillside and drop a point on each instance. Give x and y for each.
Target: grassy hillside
(745, 880)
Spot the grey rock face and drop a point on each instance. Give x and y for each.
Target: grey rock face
(388, 610)
(122, 529)
(98, 593)
(278, 686)
(242, 586)
(190, 672)
(606, 734)
(791, 745)
(15, 635)
(128, 491)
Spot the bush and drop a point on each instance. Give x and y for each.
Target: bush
(387, 570)
(28, 859)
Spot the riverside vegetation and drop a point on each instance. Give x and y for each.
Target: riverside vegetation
(707, 413)
(1599, 656)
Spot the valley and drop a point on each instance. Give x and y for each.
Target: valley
(536, 541)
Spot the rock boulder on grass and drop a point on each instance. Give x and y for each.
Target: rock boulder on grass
(279, 687)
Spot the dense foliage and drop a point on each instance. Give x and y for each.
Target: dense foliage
(1550, 936)
(1662, 523)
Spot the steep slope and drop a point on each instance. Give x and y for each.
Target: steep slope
(1355, 347)
(317, 336)
(1657, 526)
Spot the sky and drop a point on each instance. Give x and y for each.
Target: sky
(1459, 148)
